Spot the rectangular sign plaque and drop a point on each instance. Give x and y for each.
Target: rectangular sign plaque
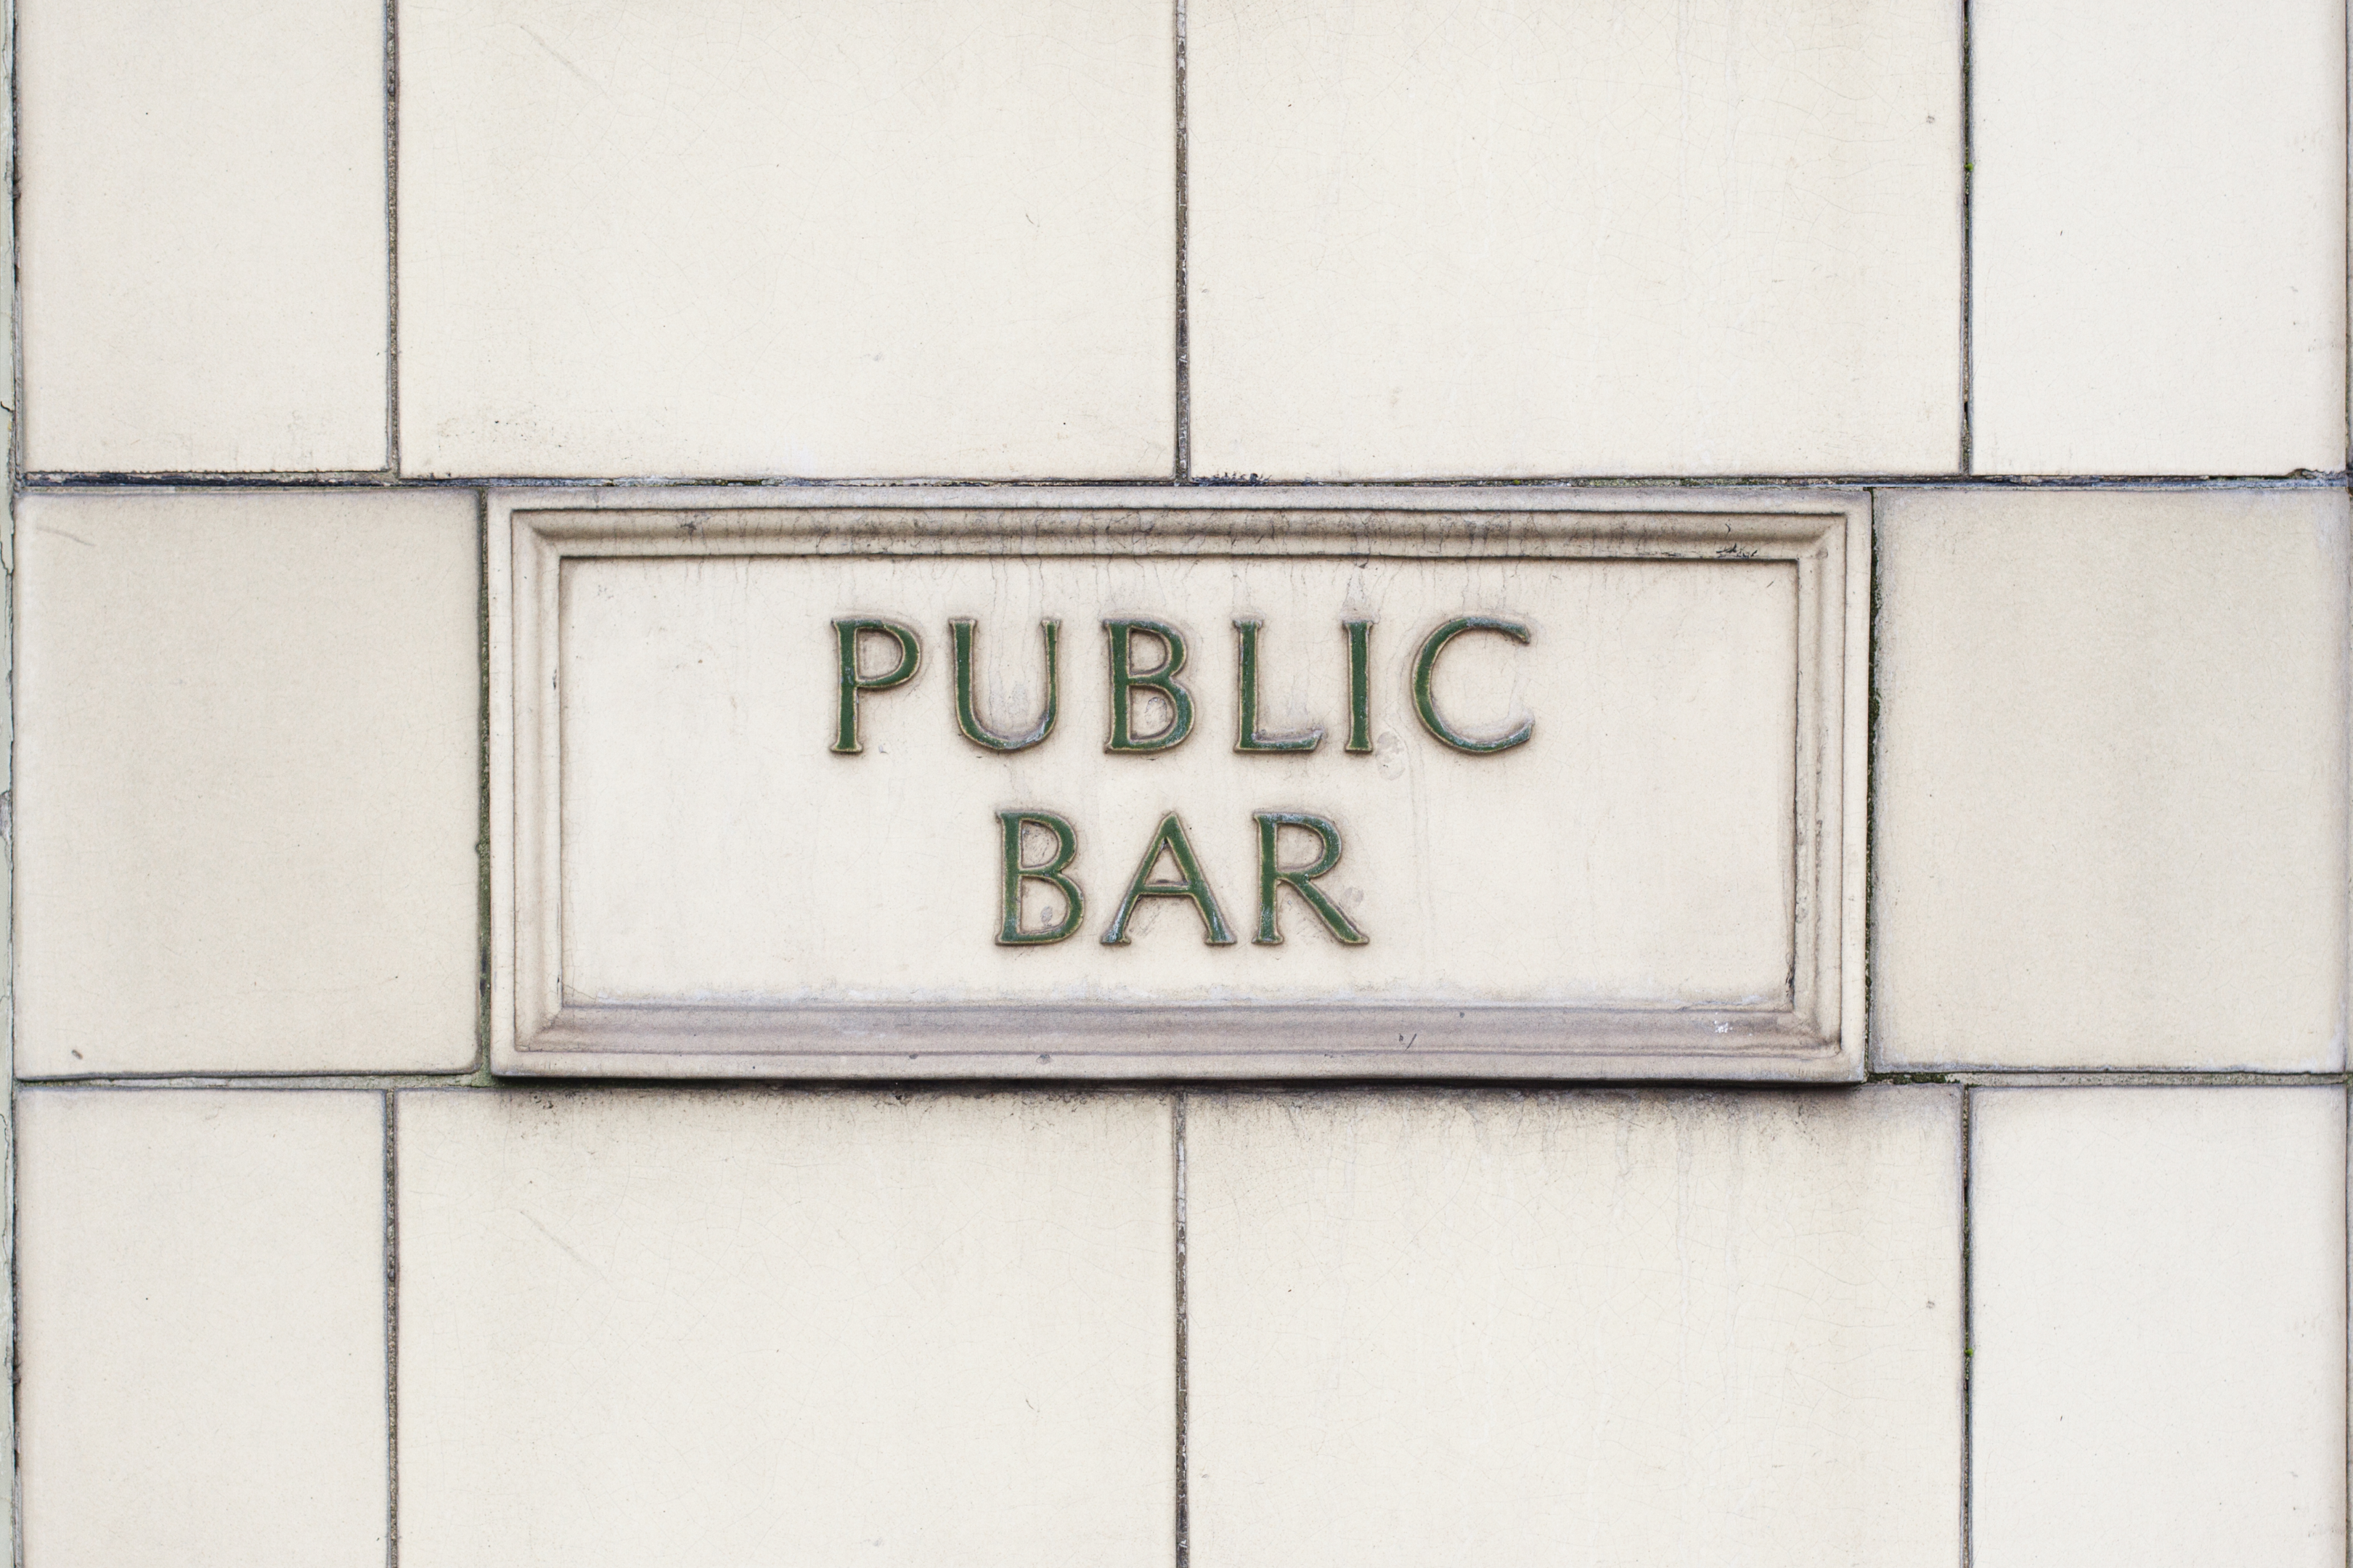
(1518, 783)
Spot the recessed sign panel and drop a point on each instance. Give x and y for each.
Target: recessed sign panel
(899, 783)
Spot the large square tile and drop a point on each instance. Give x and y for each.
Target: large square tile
(248, 783)
(724, 238)
(1431, 238)
(204, 268)
(731, 1326)
(2110, 796)
(1593, 1328)
(201, 1300)
(2159, 1339)
(2158, 271)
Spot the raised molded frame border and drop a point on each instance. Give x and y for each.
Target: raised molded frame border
(1818, 1037)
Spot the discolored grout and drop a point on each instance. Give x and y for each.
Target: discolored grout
(1969, 243)
(484, 957)
(1969, 1335)
(59, 481)
(390, 1331)
(1184, 313)
(392, 237)
(1184, 1522)
(477, 1078)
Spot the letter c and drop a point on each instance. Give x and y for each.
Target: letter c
(1426, 662)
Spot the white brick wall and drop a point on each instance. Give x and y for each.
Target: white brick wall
(2065, 288)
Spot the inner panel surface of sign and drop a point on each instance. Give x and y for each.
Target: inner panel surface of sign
(861, 789)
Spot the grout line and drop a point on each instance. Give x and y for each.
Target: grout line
(1968, 1334)
(1969, 243)
(482, 953)
(1183, 470)
(473, 1077)
(392, 237)
(15, 299)
(15, 1313)
(269, 1083)
(2302, 478)
(1871, 756)
(2111, 1078)
(250, 479)
(1184, 1407)
(390, 1331)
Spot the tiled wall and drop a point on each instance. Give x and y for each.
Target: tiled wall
(2063, 284)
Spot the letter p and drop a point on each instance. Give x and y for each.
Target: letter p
(849, 639)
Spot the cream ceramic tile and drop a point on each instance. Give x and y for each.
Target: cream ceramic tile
(203, 266)
(1611, 1329)
(2111, 803)
(2158, 1367)
(1512, 237)
(9, 1359)
(201, 1303)
(722, 237)
(2158, 275)
(750, 1327)
(247, 791)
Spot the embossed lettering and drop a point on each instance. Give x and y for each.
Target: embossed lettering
(1010, 932)
(1426, 663)
(1246, 737)
(1273, 876)
(1360, 687)
(960, 635)
(1126, 681)
(1170, 839)
(850, 638)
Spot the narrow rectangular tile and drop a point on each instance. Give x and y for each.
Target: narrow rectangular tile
(2159, 1361)
(727, 237)
(249, 786)
(2158, 279)
(2110, 813)
(746, 1326)
(204, 267)
(1432, 238)
(1593, 1327)
(201, 1307)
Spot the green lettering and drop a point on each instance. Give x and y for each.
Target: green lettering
(1011, 932)
(848, 638)
(960, 634)
(1246, 731)
(1271, 876)
(1170, 839)
(1426, 705)
(1360, 686)
(1126, 680)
